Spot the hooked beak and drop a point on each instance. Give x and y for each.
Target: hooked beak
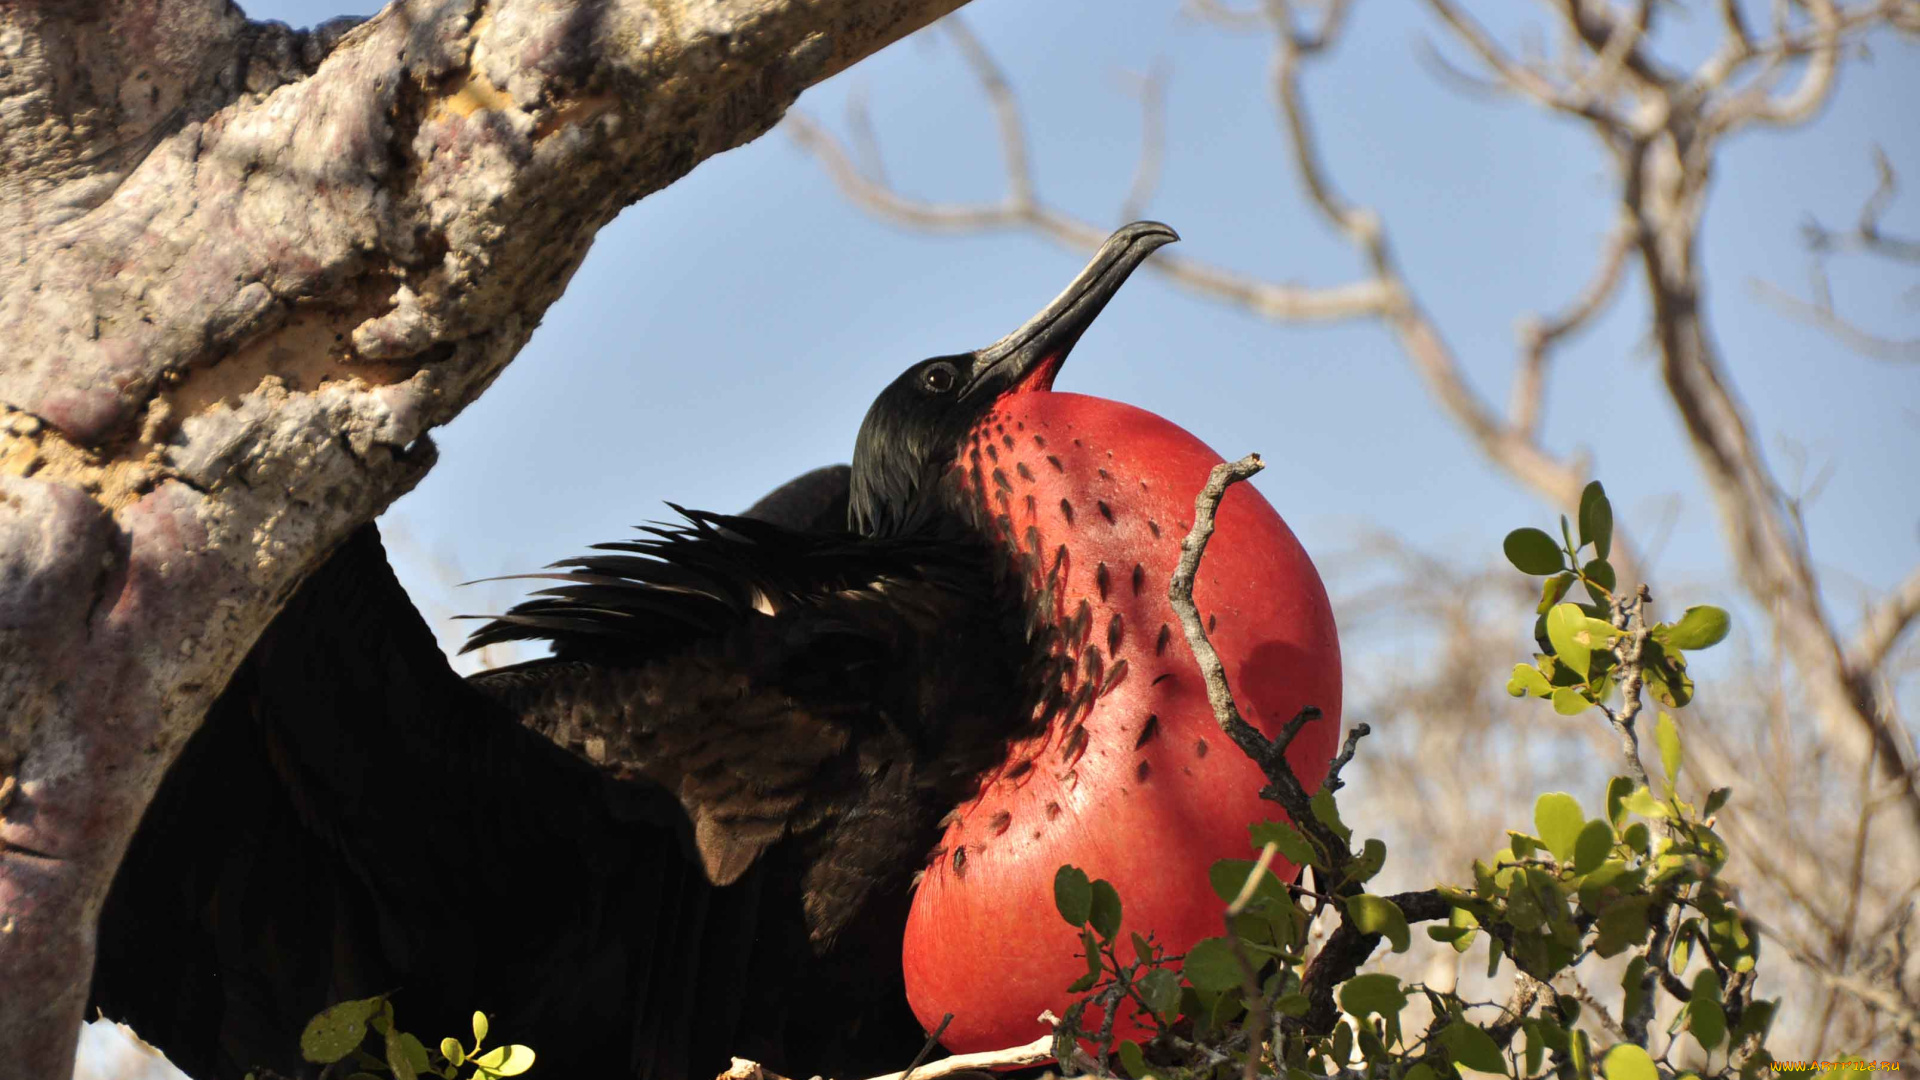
(1028, 358)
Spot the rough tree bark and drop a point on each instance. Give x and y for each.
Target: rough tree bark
(246, 270)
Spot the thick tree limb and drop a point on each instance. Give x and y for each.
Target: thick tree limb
(247, 270)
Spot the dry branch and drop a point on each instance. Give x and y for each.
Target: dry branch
(1037, 1052)
(248, 269)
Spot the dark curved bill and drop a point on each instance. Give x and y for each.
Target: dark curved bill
(1028, 358)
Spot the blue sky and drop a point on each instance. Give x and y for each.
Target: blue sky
(729, 332)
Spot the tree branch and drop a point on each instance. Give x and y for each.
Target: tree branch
(1880, 631)
(234, 305)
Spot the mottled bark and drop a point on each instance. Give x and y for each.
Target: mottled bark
(246, 270)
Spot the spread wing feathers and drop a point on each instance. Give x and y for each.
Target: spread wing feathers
(706, 577)
(354, 819)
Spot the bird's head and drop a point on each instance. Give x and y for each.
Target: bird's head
(918, 426)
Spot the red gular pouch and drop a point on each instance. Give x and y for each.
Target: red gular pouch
(1132, 780)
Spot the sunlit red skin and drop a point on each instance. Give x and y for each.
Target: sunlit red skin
(1155, 794)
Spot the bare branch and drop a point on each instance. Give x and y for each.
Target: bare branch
(1586, 100)
(1880, 631)
(1180, 591)
(1037, 1052)
(1821, 315)
(1629, 617)
(1819, 46)
(1867, 235)
(1152, 88)
(1212, 11)
(1538, 335)
(1875, 997)
(1006, 111)
(1267, 299)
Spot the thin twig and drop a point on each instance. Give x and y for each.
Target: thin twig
(933, 1040)
(1821, 315)
(1539, 335)
(1152, 88)
(1180, 591)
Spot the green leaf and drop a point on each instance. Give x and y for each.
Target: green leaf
(1682, 946)
(1372, 1048)
(1161, 990)
(1082, 984)
(1104, 909)
(1596, 519)
(1211, 965)
(1291, 842)
(1643, 803)
(338, 1029)
(1229, 876)
(1622, 926)
(1373, 856)
(1634, 984)
(1472, 1047)
(1421, 1071)
(1638, 837)
(1091, 950)
(1462, 919)
(1628, 1062)
(1558, 818)
(1592, 846)
(1295, 1005)
(1666, 673)
(1598, 575)
(1716, 799)
(406, 1058)
(1699, 628)
(1565, 623)
(1756, 1017)
(1532, 551)
(1528, 680)
(1328, 813)
(1569, 701)
(1132, 1059)
(1340, 1050)
(518, 1059)
(1706, 1017)
(1618, 789)
(1379, 915)
(1553, 590)
(1072, 895)
(453, 1052)
(1667, 736)
(1375, 992)
(479, 1027)
(1536, 1046)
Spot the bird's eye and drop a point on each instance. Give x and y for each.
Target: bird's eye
(939, 378)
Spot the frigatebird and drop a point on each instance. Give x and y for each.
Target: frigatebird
(693, 831)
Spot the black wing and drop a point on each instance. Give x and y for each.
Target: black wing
(354, 819)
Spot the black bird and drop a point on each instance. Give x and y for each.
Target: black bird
(689, 833)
